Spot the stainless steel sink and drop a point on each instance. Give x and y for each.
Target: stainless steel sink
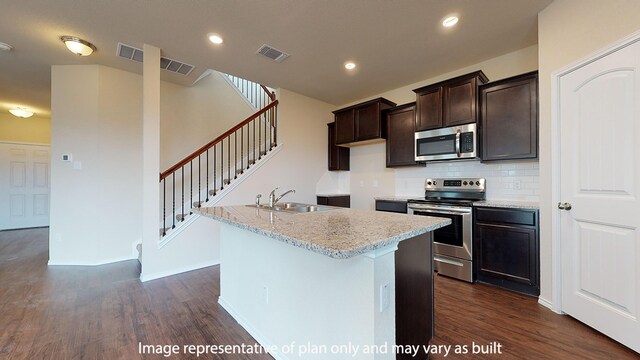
(294, 207)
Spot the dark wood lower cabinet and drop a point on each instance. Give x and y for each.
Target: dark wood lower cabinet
(396, 206)
(506, 248)
(334, 200)
(414, 294)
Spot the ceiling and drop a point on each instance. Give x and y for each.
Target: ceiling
(393, 42)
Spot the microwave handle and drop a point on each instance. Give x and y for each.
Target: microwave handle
(458, 143)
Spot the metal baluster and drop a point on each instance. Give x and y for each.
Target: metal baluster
(259, 141)
(173, 177)
(164, 207)
(207, 176)
(270, 129)
(191, 187)
(183, 213)
(242, 148)
(222, 164)
(275, 136)
(266, 129)
(199, 178)
(235, 154)
(254, 140)
(229, 159)
(214, 171)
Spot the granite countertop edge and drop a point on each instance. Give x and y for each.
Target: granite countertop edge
(332, 253)
(512, 204)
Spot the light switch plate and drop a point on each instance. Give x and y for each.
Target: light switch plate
(67, 157)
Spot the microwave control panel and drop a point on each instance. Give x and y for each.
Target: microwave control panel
(466, 142)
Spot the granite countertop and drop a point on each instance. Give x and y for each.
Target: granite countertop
(515, 204)
(338, 233)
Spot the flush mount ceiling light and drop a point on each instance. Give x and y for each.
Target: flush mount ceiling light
(349, 65)
(78, 46)
(449, 21)
(21, 112)
(5, 47)
(216, 39)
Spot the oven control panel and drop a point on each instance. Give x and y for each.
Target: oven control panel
(473, 184)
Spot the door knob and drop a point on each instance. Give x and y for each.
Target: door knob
(564, 206)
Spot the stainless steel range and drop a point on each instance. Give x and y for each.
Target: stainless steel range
(452, 244)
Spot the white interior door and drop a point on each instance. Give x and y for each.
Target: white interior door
(24, 185)
(600, 179)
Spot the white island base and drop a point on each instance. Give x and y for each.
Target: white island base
(304, 305)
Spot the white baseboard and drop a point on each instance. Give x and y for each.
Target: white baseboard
(147, 277)
(257, 335)
(95, 263)
(546, 303)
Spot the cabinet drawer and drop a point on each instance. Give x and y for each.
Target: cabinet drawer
(391, 206)
(506, 216)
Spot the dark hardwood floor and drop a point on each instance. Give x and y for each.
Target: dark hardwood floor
(103, 312)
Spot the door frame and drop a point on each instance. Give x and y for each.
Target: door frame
(556, 195)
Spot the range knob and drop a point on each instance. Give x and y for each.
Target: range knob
(428, 182)
(478, 183)
(434, 182)
(464, 183)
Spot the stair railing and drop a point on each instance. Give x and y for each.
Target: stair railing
(257, 94)
(224, 158)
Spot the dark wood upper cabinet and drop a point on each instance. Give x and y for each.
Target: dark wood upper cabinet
(338, 156)
(361, 122)
(429, 108)
(345, 126)
(400, 133)
(449, 103)
(509, 118)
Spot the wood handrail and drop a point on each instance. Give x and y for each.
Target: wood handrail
(272, 95)
(215, 141)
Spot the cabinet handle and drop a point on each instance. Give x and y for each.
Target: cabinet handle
(564, 206)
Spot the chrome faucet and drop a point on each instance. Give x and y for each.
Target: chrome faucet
(258, 200)
(272, 196)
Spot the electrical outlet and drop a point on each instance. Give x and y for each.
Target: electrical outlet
(517, 184)
(265, 294)
(385, 297)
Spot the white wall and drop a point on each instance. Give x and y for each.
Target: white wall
(193, 116)
(370, 178)
(96, 200)
(33, 130)
(569, 30)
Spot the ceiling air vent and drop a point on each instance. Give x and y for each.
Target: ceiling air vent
(135, 54)
(272, 53)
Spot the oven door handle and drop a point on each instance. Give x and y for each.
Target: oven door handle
(443, 210)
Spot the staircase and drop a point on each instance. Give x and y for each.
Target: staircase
(202, 176)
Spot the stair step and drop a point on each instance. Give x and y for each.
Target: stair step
(163, 231)
(198, 203)
(181, 217)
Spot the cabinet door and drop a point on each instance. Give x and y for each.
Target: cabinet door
(367, 120)
(509, 120)
(400, 127)
(507, 256)
(338, 157)
(429, 109)
(460, 102)
(345, 127)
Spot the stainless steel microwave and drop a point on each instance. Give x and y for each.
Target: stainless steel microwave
(451, 143)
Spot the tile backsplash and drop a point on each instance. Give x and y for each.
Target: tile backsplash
(507, 181)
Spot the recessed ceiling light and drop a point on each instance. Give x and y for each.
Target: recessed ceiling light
(21, 112)
(78, 46)
(349, 65)
(5, 47)
(450, 21)
(216, 39)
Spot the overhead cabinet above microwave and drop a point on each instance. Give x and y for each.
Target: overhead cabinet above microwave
(449, 103)
(361, 122)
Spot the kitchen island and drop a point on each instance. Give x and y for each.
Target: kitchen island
(333, 284)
